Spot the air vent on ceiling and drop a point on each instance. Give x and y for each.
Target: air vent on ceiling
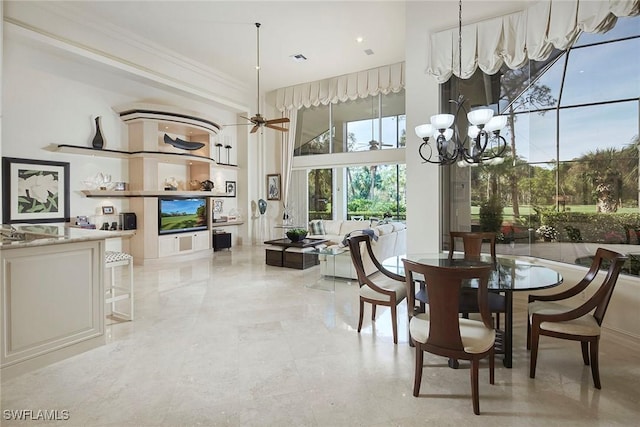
(368, 51)
(298, 57)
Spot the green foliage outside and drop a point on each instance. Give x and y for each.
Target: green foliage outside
(491, 215)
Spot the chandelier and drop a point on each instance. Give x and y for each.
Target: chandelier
(481, 143)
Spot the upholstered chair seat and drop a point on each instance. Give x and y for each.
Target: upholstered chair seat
(586, 325)
(398, 288)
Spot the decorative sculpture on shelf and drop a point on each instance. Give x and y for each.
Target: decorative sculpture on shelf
(262, 206)
(182, 144)
(98, 139)
(228, 147)
(207, 185)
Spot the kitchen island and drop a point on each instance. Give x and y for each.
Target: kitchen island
(52, 293)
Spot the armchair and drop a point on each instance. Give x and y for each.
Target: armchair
(582, 323)
(386, 289)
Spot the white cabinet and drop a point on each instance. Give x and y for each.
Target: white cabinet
(176, 244)
(201, 241)
(52, 303)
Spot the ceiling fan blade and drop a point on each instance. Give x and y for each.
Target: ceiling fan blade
(254, 129)
(274, 121)
(247, 118)
(238, 124)
(277, 128)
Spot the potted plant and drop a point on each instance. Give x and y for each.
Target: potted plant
(297, 234)
(547, 232)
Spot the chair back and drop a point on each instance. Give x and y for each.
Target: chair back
(355, 249)
(472, 243)
(443, 287)
(603, 295)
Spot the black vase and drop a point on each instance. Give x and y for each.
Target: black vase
(98, 140)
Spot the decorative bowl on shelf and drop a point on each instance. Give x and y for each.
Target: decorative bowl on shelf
(297, 234)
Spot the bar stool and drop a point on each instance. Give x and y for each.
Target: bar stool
(115, 293)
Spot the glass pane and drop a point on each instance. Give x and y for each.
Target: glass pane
(321, 194)
(376, 191)
(625, 27)
(393, 120)
(587, 129)
(602, 73)
(535, 136)
(532, 88)
(312, 131)
(356, 124)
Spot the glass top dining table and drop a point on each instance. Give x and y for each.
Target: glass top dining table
(509, 275)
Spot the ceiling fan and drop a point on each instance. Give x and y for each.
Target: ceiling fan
(258, 120)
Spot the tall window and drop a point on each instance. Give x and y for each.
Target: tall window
(321, 194)
(372, 123)
(571, 173)
(371, 187)
(376, 191)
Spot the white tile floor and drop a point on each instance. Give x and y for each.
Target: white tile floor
(226, 340)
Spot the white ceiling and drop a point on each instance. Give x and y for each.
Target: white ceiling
(222, 34)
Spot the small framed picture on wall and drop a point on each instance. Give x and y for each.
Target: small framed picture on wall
(273, 187)
(108, 210)
(230, 188)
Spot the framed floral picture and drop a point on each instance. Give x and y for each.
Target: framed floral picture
(34, 191)
(273, 187)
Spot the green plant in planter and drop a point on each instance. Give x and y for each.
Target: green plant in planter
(297, 234)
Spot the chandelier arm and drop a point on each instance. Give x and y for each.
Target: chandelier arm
(428, 158)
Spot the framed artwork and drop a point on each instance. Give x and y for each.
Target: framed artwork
(107, 210)
(217, 205)
(273, 187)
(34, 191)
(230, 188)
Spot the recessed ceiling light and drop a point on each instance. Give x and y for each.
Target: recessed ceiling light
(359, 39)
(298, 57)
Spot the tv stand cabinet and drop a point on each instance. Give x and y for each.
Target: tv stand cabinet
(182, 243)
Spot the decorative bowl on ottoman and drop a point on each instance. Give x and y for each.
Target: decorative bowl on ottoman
(297, 234)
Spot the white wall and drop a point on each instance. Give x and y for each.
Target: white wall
(51, 97)
(422, 101)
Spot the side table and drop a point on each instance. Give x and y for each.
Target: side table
(327, 281)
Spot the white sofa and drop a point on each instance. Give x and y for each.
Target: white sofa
(391, 240)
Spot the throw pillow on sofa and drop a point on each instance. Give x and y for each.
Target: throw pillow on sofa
(316, 227)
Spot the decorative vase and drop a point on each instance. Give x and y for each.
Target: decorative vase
(98, 140)
(296, 237)
(262, 206)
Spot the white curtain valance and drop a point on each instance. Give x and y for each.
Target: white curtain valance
(385, 79)
(528, 35)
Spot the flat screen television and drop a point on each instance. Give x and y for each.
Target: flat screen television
(181, 214)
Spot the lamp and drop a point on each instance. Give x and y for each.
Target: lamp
(482, 142)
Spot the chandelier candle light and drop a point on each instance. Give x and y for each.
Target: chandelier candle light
(482, 142)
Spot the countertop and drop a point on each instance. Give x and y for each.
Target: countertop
(55, 234)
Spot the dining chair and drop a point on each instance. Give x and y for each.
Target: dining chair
(386, 289)
(581, 323)
(472, 247)
(441, 331)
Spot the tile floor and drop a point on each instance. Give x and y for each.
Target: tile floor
(225, 340)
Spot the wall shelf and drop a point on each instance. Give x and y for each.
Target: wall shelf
(150, 193)
(226, 224)
(159, 155)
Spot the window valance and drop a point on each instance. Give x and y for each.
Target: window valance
(518, 37)
(385, 79)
